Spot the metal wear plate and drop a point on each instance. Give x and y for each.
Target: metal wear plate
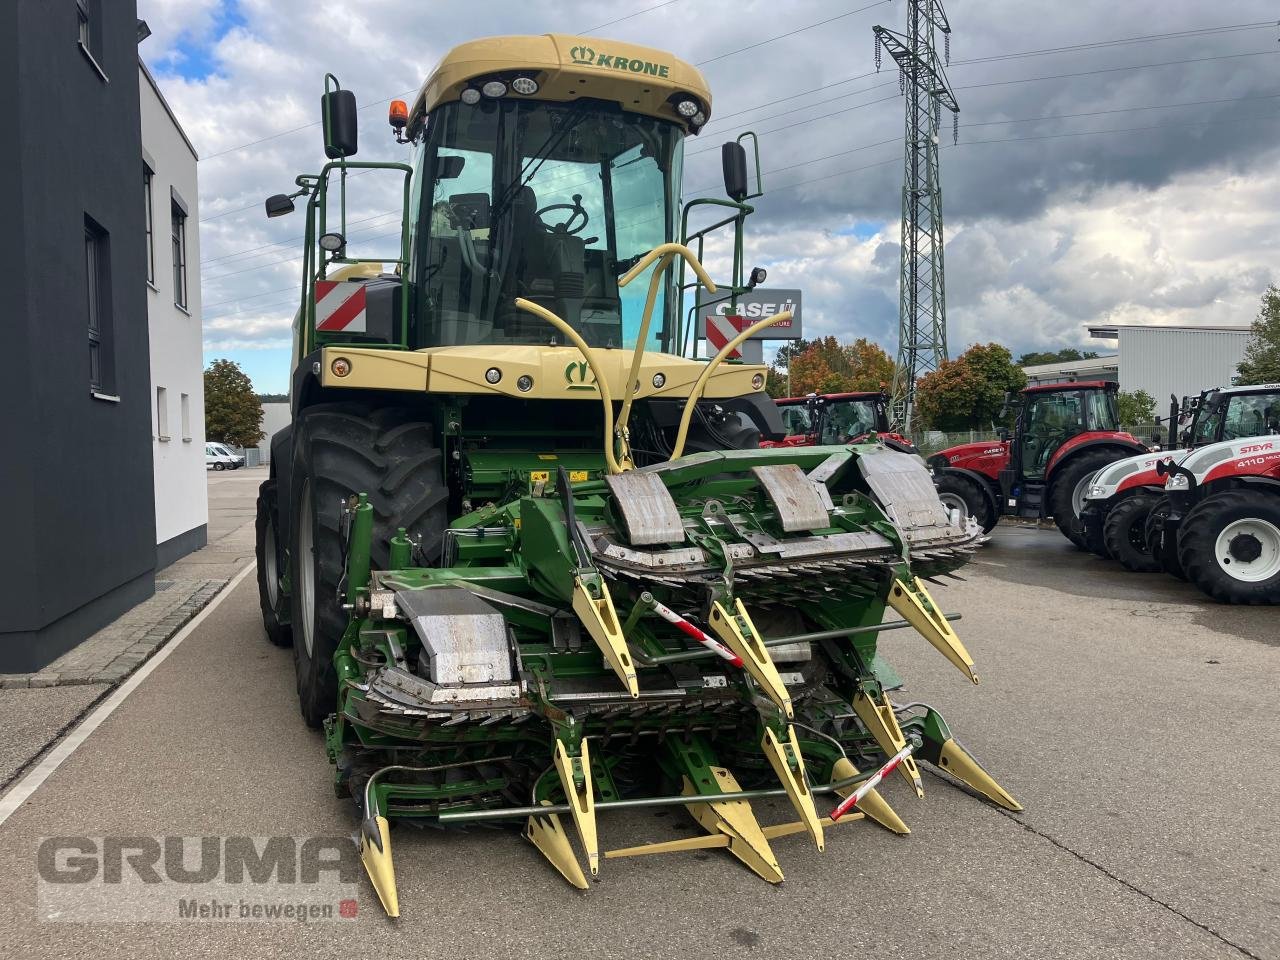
(794, 496)
(905, 489)
(464, 639)
(649, 513)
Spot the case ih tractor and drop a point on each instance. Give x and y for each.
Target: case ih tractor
(837, 418)
(1121, 497)
(1063, 434)
(533, 563)
(1223, 518)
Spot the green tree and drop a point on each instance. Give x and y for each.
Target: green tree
(968, 392)
(828, 366)
(1261, 363)
(232, 411)
(1049, 356)
(1136, 407)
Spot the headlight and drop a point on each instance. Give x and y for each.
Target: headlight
(470, 96)
(687, 108)
(1177, 482)
(493, 375)
(524, 85)
(494, 89)
(1097, 492)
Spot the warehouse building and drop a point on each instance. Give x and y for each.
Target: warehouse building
(1174, 360)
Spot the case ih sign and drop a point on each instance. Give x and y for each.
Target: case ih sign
(721, 323)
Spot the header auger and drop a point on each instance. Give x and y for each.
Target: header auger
(541, 584)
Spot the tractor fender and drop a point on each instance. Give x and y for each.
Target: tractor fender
(1125, 445)
(982, 480)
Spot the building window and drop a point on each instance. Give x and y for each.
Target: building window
(89, 32)
(186, 418)
(162, 414)
(179, 229)
(147, 177)
(97, 270)
(82, 12)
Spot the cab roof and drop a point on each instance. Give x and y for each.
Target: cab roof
(568, 67)
(1072, 385)
(856, 395)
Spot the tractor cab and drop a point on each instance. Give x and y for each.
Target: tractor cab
(1052, 415)
(1233, 413)
(833, 417)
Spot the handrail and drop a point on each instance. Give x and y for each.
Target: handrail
(602, 384)
(701, 383)
(664, 254)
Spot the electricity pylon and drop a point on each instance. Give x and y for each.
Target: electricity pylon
(922, 300)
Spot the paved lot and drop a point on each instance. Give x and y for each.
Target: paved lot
(1135, 722)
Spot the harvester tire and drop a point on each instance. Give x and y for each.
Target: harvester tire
(1163, 547)
(956, 490)
(267, 549)
(339, 451)
(1230, 546)
(1062, 491)
(1125, 532)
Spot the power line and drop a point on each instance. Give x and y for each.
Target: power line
(791, 33)
(281, 243)
(610, 23)
(1136, 66)
(1099, 113)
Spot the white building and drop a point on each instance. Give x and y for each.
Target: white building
(1174, 360)
(173, 321)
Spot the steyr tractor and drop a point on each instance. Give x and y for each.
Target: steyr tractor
(1063, 434)
(837, 418)
(1121, 497)
(534, 566)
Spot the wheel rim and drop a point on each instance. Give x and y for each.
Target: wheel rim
(1249, 550)
(953, 501)
(271, 564)
(1077, 495)
(306, 565)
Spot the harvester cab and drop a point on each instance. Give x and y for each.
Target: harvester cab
(530, 556)
(1124, 508)
(1063, 433)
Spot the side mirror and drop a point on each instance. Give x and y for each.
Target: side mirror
(338, 116)
(733, 158)
(279, 205)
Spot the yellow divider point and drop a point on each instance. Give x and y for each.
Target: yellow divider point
(913, 603)
(736, 820)
(547, 834)
(754, 654)
(780, 754)
(601, 621)
(581, 798)
(375, 854)
(878, 718)
(873, 805)
(963, 767)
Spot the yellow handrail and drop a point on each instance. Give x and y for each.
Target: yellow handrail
(601, 383)
(701, 383)
(667, 252)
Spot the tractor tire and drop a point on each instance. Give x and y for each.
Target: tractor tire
(1125, 532)
(1062, 492)
(267, 549)
(959, 492)
(1230, 546)
(1163, 546)
(339, 451)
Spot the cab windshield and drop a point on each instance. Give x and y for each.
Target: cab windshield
(550, 202)
(1238, 415)
(847, 420)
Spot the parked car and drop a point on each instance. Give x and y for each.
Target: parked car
(216, 459)
(237, 460)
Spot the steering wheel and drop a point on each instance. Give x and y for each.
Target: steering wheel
(571, 225)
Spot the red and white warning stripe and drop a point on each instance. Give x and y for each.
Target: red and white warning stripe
(340, 305)
(669, 615)
(722, 329)
(851, 801)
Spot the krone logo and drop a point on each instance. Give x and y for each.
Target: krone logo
(582, 54)
(578, 376)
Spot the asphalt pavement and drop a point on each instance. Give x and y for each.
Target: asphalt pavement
(1134, 720)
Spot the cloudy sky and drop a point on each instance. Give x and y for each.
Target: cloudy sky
(1117, 161)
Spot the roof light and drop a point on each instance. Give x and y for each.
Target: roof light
(470, 95)
(493, 375)
(525, 85)
(687, 108)
(398, 114)
(494, 89)
(699, 118)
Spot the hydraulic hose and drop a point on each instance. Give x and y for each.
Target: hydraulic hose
(701, 384)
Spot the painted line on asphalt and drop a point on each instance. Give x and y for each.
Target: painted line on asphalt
(29, 784)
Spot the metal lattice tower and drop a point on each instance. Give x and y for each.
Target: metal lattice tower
(922, 301)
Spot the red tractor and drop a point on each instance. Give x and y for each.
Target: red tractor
(837, 418)
(1063, 434)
